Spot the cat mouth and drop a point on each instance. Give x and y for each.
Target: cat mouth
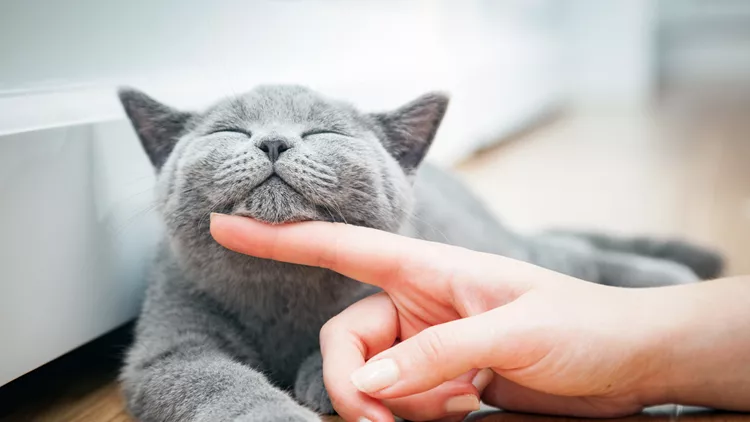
(272, 221)
(277, 178)
(275, 201)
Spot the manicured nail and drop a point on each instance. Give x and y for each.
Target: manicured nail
(482, 379)
(375, 376)
(462, 404)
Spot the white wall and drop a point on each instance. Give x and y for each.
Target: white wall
(611, 51)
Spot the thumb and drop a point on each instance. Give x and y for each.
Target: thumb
(444, 352)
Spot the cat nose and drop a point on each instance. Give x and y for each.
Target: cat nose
(273, 148)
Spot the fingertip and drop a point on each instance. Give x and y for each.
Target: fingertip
(379, 414)
(215, 221)
(482, 379)
(462, 404)
(367, 409)
(221, 226)
(243, 235)
(468, 376)
(449, 400)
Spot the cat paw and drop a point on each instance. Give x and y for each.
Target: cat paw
(315, 397)
(309, 388)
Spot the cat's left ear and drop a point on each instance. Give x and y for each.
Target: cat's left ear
(410, 129)
(158, 126)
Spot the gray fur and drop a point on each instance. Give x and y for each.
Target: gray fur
(705, 263)
(227, 337)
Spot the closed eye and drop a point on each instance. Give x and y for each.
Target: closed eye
(324, 132)
(232, 130)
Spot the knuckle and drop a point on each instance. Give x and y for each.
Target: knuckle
(338, 335)
(431, 345)
(327, 260)
(329, 257)
(328, 330)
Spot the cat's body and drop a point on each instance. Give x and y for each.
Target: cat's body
(223, 336)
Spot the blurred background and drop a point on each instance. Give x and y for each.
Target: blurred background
(631, 116)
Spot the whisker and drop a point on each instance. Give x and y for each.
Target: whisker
(130, 220)
(409, 215)
(308, 184)
(338, 209)
(115, 232)
(132, 196)
(137, 180)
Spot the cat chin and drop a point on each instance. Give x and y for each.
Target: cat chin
(276, 202)
(276, 219)
(269, 216)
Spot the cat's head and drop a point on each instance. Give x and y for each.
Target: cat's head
(282, 154)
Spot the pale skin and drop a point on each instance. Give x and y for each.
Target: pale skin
(548, 343)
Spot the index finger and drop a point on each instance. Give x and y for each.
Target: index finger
(368, 255)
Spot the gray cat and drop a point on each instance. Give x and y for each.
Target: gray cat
(227, 337)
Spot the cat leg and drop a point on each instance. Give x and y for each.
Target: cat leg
(563, 254)
(579, 258)
(309, 388)
(189, 363)
(704, 262)
(630, 270)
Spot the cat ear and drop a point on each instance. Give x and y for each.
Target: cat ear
(409, 130)
(157, 125)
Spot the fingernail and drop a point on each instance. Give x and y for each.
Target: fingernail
(375, 376)
(216, 214)
(482, 379)
(363, 419)
(462, 404)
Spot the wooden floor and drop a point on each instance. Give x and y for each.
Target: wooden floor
(682, 169)
(679, 170)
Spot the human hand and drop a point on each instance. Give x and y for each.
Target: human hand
(556, 344)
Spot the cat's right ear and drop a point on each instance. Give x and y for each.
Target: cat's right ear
(410, 129)
(158, 126)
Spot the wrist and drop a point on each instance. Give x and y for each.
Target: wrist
(665, 316)
(697, 347)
